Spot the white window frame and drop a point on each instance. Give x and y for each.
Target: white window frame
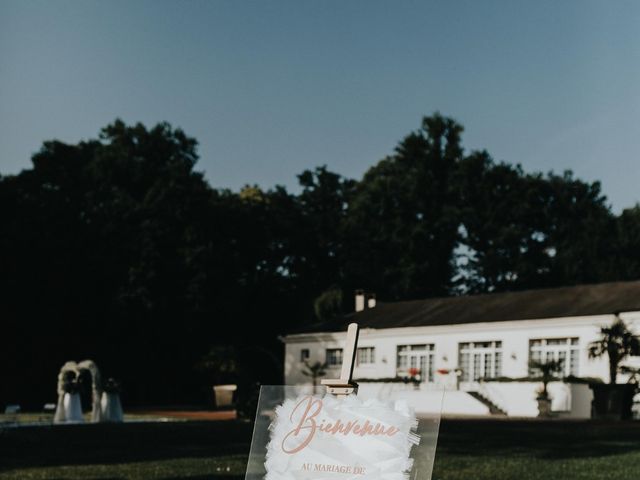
(305, 354)
(557, 351)
(421, 356)
(333, 357)
(485, 361)
(365, 356)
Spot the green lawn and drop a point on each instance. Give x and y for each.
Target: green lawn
(231, 466)
(533, 450)
(467, 449)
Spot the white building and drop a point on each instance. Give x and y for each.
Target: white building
(474, 347)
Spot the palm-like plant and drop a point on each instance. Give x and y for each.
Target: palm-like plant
(314, 371)
(617, 342)
(220, 363)
(633, 373)
(548, 371)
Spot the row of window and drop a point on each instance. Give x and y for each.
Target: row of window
(475, 359)
(364, 356)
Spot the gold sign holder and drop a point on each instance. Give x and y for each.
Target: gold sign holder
(345, 385)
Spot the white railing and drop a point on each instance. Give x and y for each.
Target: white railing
(494, 396)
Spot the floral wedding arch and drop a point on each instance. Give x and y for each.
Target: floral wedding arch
(74, 370)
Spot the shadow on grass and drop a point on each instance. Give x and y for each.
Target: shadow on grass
(189, 477)
(539, 439)
(137, 442)
(121, 443)
(207, 477)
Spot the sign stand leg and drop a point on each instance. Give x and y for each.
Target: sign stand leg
(345, 385)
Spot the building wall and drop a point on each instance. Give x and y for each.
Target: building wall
(518, 399)
(424, 401)
(514, 335)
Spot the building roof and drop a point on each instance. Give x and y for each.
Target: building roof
(580, 300)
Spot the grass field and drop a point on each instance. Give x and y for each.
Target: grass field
(467, 449)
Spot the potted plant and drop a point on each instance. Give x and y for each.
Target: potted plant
(414, 375)
(221, 366)
(547, 371)
(452, 375)
(458, 375)
(616, 342)
(314, 371)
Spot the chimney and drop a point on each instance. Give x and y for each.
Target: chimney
(371, 300)
(364, 300)
(360, 301)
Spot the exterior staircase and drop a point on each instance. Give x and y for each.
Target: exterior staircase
(493, 408)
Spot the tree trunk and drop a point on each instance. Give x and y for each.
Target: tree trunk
(613, 368)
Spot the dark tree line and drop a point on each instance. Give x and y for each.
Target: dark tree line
(118, 249)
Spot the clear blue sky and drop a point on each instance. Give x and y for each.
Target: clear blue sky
(270, 88)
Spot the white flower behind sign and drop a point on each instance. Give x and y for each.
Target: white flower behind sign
(324, 437)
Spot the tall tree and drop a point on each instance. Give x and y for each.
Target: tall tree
(581, 230)
(528, 230)
(502, 225)
(319, 253)
(616, 342)
(118, 250)
(402, 222)
(623, 263)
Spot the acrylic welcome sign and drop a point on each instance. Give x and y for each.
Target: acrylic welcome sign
(306, 433)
